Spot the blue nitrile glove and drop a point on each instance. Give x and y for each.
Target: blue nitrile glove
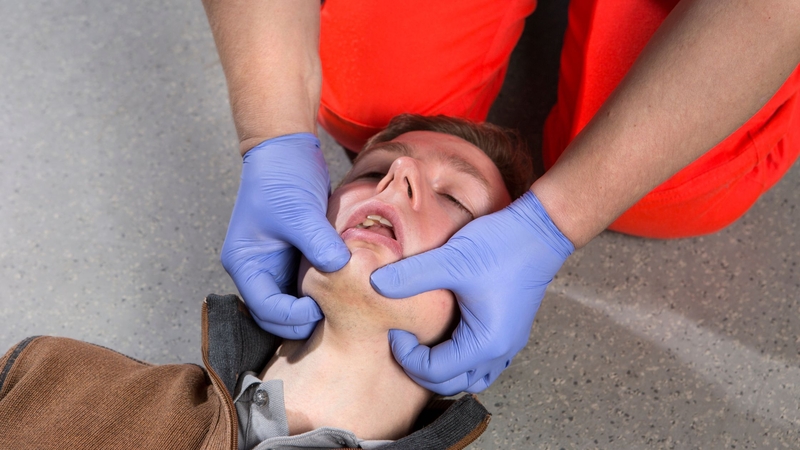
(498, 266)
(279, 209)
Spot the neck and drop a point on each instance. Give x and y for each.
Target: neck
(348, 379)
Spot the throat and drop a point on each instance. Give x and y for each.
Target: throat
(355, 385)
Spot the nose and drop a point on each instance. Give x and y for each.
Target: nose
(404, 179)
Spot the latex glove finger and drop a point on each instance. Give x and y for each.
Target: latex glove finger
(414, 275)
(281, 314)
(498, 266)
(416, 359)
(297, 325)
(318, 241)
(485, 381)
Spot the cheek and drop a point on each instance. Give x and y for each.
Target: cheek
(334, 204)
(431, 316)
(432, 232)
(344, 200)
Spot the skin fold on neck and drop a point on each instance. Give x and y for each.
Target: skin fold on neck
(346, 378)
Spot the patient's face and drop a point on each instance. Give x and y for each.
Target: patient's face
(402, 198)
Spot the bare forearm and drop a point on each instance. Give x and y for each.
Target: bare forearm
(269, 51)
(709, 68)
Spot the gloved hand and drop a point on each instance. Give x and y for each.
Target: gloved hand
(280, 208)
(498, 266)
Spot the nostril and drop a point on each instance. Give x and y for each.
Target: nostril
(410, 194)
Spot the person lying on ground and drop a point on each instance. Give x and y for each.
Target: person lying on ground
(413, 186)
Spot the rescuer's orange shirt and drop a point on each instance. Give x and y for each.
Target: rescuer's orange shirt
(380, 59)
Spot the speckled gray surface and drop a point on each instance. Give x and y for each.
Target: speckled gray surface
(118, 171)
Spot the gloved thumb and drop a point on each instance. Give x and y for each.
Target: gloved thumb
(414, 275)
(321, 244)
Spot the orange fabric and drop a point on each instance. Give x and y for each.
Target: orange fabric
(602, 41)
(383, 58)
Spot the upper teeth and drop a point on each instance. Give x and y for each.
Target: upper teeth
(372, 219)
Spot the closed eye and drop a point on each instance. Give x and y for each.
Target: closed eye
(459, 205)
(371, 175)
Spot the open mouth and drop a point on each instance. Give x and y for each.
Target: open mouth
(378, 224)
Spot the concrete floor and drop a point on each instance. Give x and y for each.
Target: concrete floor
(119, 169)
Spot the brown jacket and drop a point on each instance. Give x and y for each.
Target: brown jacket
(58, 393)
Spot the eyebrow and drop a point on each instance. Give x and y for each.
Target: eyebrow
(456, 161)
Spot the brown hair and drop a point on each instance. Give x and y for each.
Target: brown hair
(503, 146)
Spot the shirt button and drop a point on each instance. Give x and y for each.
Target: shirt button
(260, 398)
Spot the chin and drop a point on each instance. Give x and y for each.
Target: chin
(349, 284)
(346, 296)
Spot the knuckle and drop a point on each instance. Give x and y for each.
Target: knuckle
(498, 351)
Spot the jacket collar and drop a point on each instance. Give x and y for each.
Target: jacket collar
(235, 342)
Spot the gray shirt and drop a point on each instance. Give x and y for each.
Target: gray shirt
(263, 424)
